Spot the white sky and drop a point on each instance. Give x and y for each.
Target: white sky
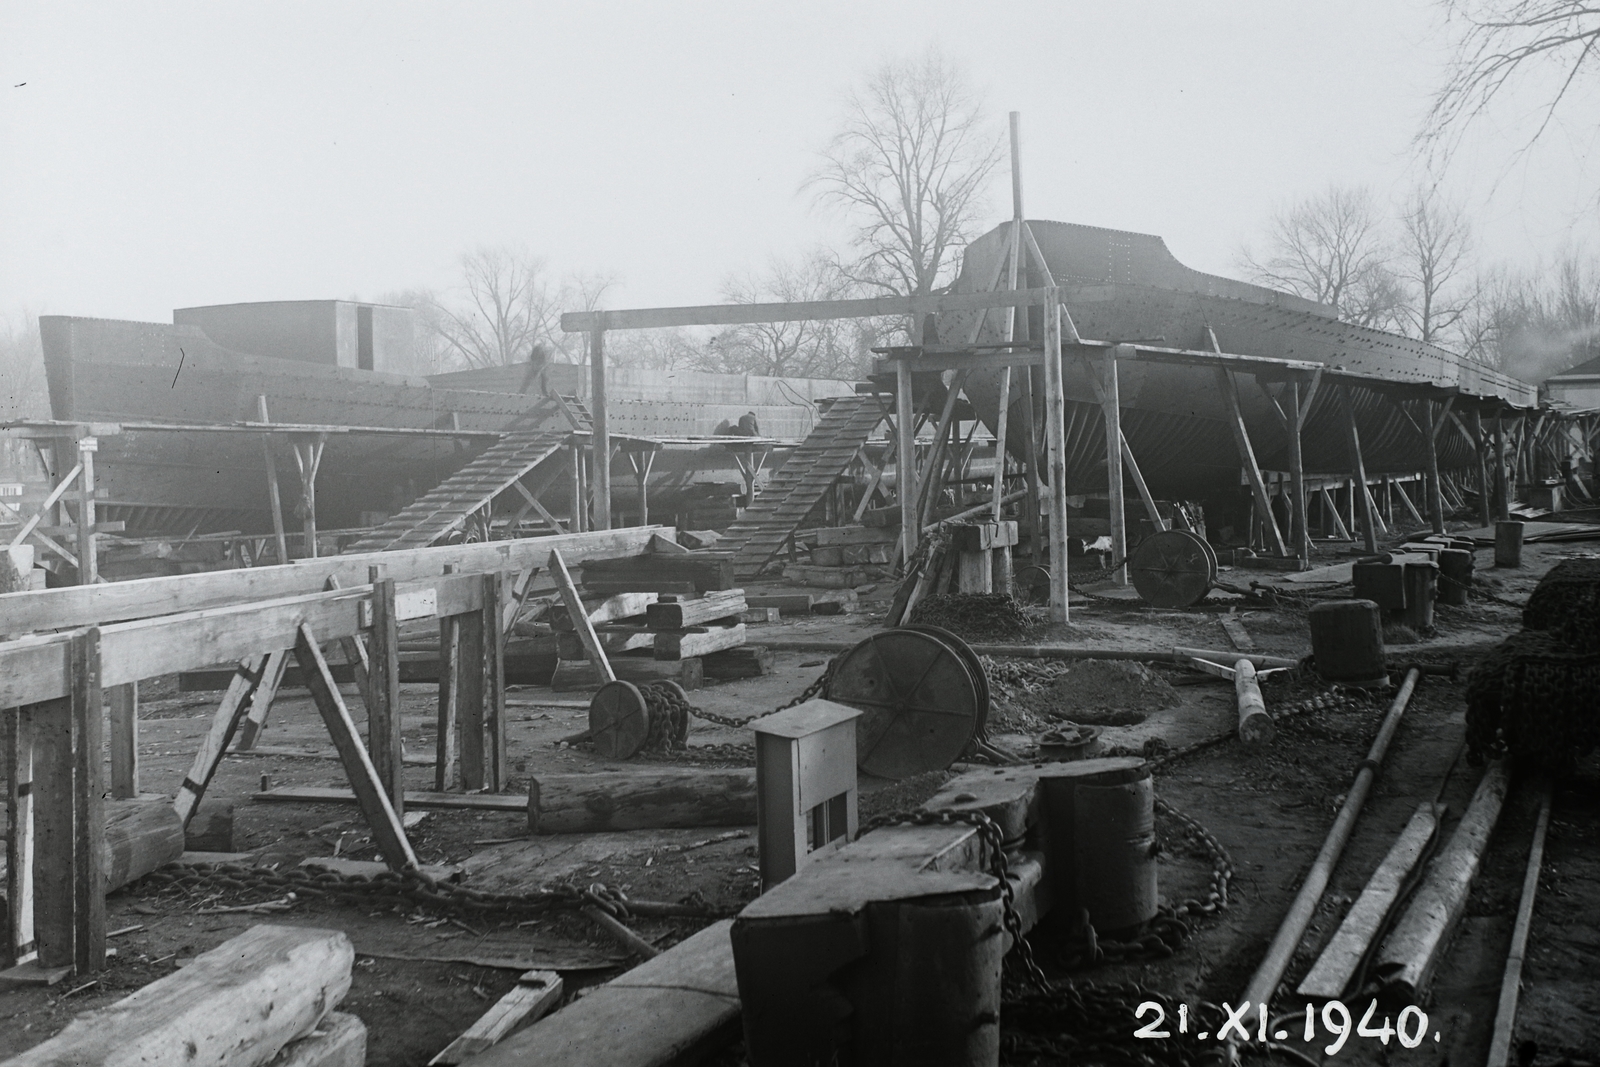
(169, 154)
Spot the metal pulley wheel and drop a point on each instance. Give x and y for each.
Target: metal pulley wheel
(921, 705)
(970, 658)
(1173, 569)
(1032, 584)
(619, 720)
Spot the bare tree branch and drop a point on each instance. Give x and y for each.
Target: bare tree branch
(1435, 246)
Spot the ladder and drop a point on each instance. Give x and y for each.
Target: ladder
(798, 485)
(447, 505)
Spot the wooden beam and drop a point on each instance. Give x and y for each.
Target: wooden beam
(16, 767)
(88, 563)
(536, 994)
(255, 716)
(1369, 516)
(383, 693)
(445, 765)
(274, 491)
(1480, 450)
(72, 606)
(1501, 487)
(1331, 509)
(1297, 472)
(1056, 430)
(1111, 411)
(88, 806)
(579, 508)
(122, 720)
(468, 675)
(494, 681)
(387, 832)
(1228, 386)
(906, 462)
(803, 311)
(53, 815)
(600, 443)
(235, 702)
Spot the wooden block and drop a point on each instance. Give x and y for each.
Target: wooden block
(684, 613)
(698, 538)
(32, 973)
(882, 517)
(140, 836)
(1381, 583)
(760, 616)
(785, 603)
(675, 1008)
(570, 645)
(1012, 798)
(211, 827)
(210, 1013)
(827, 556)
(877, 555)
(749, 661)
(974, 572)
(610, 609)
(840, 602)
(663, 799)
(855, 535)
(340, 1040)
(978, 536)
(699, 641)
(827, 577)
(579, 675)
(122, 724)
(535, 994)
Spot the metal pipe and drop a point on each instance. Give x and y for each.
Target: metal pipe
(1265, 981)
(1505, 1018)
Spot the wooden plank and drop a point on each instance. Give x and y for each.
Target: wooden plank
(1233, 626)
(211, 1012)
(704, 570)
(905, 466)
(747, 661)
(445, 764)
(88, 804)
(54, 854)
(1111, 413)
(700, 641)
(602, 801)
(255, 716)
(672, 1009)
(54, 609)
(569, 646)
(235, 703)
(610, 609)
(810, 310)
(1056, 435)
(494, 680)
(122, 722)
(580, 617)
(416, 799)
(682, 614)
(340, 1040)
(1345, 950)
(387, 832)
(1229, 388)
(17, 752)
(536, 993)
(383, 694)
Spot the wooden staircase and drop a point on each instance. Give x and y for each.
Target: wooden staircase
(447, 505)
(798, 485)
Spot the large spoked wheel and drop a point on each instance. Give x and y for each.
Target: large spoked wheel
(619, 721)
(970, 658)
(1032, 584)
(919, 701)
(1173, 569)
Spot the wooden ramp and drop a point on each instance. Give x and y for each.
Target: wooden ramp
(798, 485)
(447, 505)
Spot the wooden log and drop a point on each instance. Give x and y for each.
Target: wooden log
(705, 571)
(666, 799)
(611, 609)
(853, 535)
(747, 661)
(1414, 947)
(536, 993)
(570, 645)
(760, 616)
(698, 641)
(672, 1009)
(1255, 725)
(340, 1040)
(681, 614)
(415, 798)
(215, 1011)
(573, 675)
(1332, 972)
(140, 836)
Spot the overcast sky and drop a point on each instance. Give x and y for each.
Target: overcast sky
(163, 155)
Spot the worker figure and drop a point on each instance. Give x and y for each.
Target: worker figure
(748, 426)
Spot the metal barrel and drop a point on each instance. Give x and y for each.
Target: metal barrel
(1455, 575)
(1508, 543)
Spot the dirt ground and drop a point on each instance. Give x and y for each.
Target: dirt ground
(420, 978)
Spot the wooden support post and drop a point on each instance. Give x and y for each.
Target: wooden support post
(387, 832)
(88, 806)
(494, 680)
(1111, 410)
(1435, 489)
(235, 702)
(578, 521)
(931, 483)
(1228, 386)
(383, 692)
(308, 457)
(16, 749)
(641, 462)
(1056, 430)
(600, 442)
(88, 560)
(260, 702)
(906, 461)
(1406, 502)
(468, 676)
(122, 717)
(1369, 525)
(580, 617)
(1485, 487)
(54, 854)
(274, 493)
(1331, 510)
(1295, 419)
(1501, 487)
(445, 767)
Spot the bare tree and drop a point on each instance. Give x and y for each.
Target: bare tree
(430, 354)
(1332, 248)
(505, 309)
(1499, 42)
(909, 168)
(1545, 320)
(1435, 250)
(827, 348)
(23, 393)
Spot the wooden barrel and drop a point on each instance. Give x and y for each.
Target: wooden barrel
(1422, 589)
(1347, 643)
(1508, 543)
(1455, 575)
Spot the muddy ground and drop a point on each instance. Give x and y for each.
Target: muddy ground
(420, 978)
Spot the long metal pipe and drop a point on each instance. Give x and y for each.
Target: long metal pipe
(1265, 981)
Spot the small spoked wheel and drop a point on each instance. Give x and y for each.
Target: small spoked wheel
(619, 720)
(1173, 569)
